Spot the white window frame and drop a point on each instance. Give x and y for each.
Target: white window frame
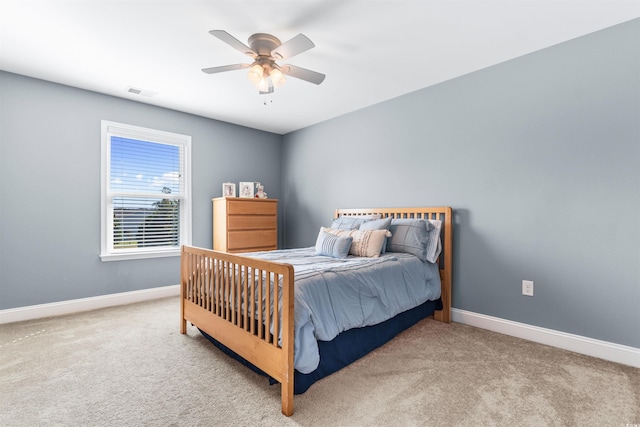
(109, 129)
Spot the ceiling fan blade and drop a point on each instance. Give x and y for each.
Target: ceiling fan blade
(302, 74)
(295, 46)
(223, 68)
(233, 42)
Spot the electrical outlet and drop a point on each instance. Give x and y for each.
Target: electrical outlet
(527, 288)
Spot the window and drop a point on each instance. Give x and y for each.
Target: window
(146, 192)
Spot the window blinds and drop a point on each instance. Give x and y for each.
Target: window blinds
(146, 188)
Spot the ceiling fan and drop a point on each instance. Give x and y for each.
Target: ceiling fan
(265, 50)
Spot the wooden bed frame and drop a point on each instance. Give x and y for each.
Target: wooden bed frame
(210, 281)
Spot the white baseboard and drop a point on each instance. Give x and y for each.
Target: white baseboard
(84, 304)
(591, 347)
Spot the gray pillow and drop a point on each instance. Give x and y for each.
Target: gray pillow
(409, 236)
(331, 245)
(378, 224)
(351, 222)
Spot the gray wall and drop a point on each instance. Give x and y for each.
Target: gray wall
(50, 188)
(538, 156)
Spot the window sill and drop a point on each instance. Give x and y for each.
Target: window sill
(139, 255)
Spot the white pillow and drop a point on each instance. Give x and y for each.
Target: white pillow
(434, 244)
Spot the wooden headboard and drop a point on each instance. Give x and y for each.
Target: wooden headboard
(444, 214)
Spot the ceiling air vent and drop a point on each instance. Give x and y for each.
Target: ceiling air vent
(146, 93)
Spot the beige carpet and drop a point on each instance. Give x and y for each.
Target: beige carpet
(129, 366)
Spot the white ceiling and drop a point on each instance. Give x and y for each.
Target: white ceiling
(370, 50)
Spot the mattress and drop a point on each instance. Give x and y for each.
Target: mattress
(335, 295)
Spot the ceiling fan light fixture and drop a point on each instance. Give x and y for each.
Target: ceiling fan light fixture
(277, 77)
(263, 85)
(255, 74)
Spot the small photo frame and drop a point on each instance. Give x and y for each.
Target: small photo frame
(247, 189)
(229, 189)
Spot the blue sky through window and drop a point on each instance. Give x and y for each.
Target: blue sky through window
(144, 167)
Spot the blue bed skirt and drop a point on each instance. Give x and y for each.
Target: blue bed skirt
(348, 346)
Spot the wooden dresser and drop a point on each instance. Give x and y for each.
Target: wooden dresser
(245, 225)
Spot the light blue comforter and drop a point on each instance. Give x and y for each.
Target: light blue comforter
(333, 295)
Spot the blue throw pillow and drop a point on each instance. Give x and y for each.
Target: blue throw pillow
(409, 236)
(334, 246)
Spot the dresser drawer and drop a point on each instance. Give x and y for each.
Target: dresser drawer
(261, 207)
(251, 222)
(245, 241)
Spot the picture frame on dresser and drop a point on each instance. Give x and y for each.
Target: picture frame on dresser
(247, 190)
(229, 189)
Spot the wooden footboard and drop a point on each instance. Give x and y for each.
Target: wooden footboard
(232, 299)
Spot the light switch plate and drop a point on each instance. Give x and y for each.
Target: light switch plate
(527, 288)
